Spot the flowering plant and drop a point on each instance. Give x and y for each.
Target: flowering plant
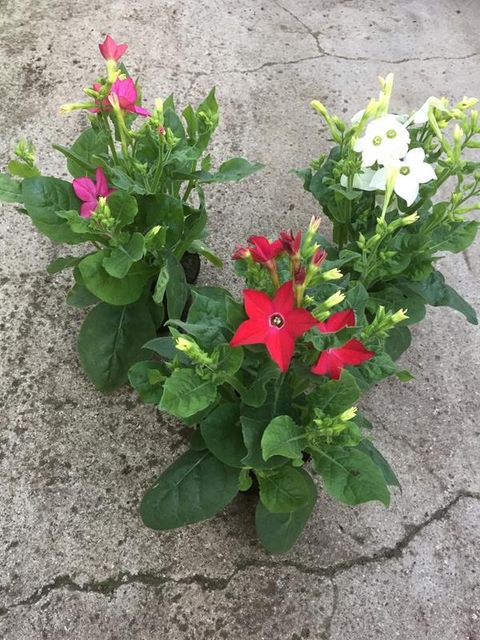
(136, 201)
(380, 185)
(268, 386)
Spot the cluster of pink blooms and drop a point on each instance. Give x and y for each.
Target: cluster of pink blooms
(277, 322)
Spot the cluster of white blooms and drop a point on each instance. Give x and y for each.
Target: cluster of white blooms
(385, 143)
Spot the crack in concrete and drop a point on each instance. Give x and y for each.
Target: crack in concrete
(110, 585)
(468, 262)
(323, 52)
(327, 633)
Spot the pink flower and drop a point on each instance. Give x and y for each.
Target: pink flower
(89, 191)
(110, 50)
(126, 92)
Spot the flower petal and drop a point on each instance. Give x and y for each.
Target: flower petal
(281, 346)
(328, 364)
(298, 321)
(140, 111)
(338, 321)
(102, 186)
(85, 189)
(250, 332)
(353, 352)
(407, 188)
(257, 304)
(284, 299)
(88, 208)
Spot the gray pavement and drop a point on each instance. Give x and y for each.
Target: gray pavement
(76, 562)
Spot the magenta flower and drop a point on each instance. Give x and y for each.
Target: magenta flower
(126, 93)
(89, 191)
(110, 50)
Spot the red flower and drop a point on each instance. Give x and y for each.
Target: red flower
(263, 250)
(291, 243)
(240, 252)
(274, 322)
(318, 257)
(332, 361)
(110, 50)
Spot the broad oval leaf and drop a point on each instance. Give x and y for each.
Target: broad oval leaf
(283, 490)
(222, 433)
(195, 487)
(278, 532)
(283, 437)
(111, 340)
(185, 393)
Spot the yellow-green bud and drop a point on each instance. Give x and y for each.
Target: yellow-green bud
(349, 414)
(334, 299)
(332, 274)
(399, 316)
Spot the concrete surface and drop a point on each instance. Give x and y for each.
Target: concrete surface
(76, 561)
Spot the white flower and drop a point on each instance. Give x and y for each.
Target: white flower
(385, 140)
(412, 172)
(362, 181)
(421, 116)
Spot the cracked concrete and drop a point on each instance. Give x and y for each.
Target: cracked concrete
(76, 561)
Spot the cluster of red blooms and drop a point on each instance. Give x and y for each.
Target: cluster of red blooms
(277, 322)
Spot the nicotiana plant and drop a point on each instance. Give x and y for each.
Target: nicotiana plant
(136, 202)
(381, 186)
(269, 388)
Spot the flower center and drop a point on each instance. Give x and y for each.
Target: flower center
(405, 171)
(391, 133)
(277, 320)
(377, 140)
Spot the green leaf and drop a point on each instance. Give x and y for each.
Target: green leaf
(185, 393)
(10, 189)
(110, 289)
(118, 263)
(123, 207)
(111, 340)
(439, 294)
(89, 143)
(79, 295)
(336, 396)
(404, 375)
(455, 237)
(177, 289)
(283, 437)
(233, 170)
(197, 246)
(161, 285)
(278, 532)
(165, 347)
(170, 214)
(366, 446)
(253, 431)
(256, 394)
(222, 433)
(371, 371)
(398, 341)
(195, 487)
(59, 264)
(146, 378)
(284, 489)
(22, 170)
(44, 197)
(350, 476)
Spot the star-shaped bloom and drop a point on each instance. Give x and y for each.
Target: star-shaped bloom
(274, 322)
(412, 171)
(110, 50)
(291, 242)
(332, 361)
(385, 139)
(126, 94)
(90, 191)
(263, 250)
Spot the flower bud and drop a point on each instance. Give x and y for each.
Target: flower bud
(399, 316)
(332, 274)
(334, 299)
(348, 415)
(318, 257)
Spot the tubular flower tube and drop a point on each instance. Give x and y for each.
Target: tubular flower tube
(332, 361)
(274, 322)
(90, 191)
